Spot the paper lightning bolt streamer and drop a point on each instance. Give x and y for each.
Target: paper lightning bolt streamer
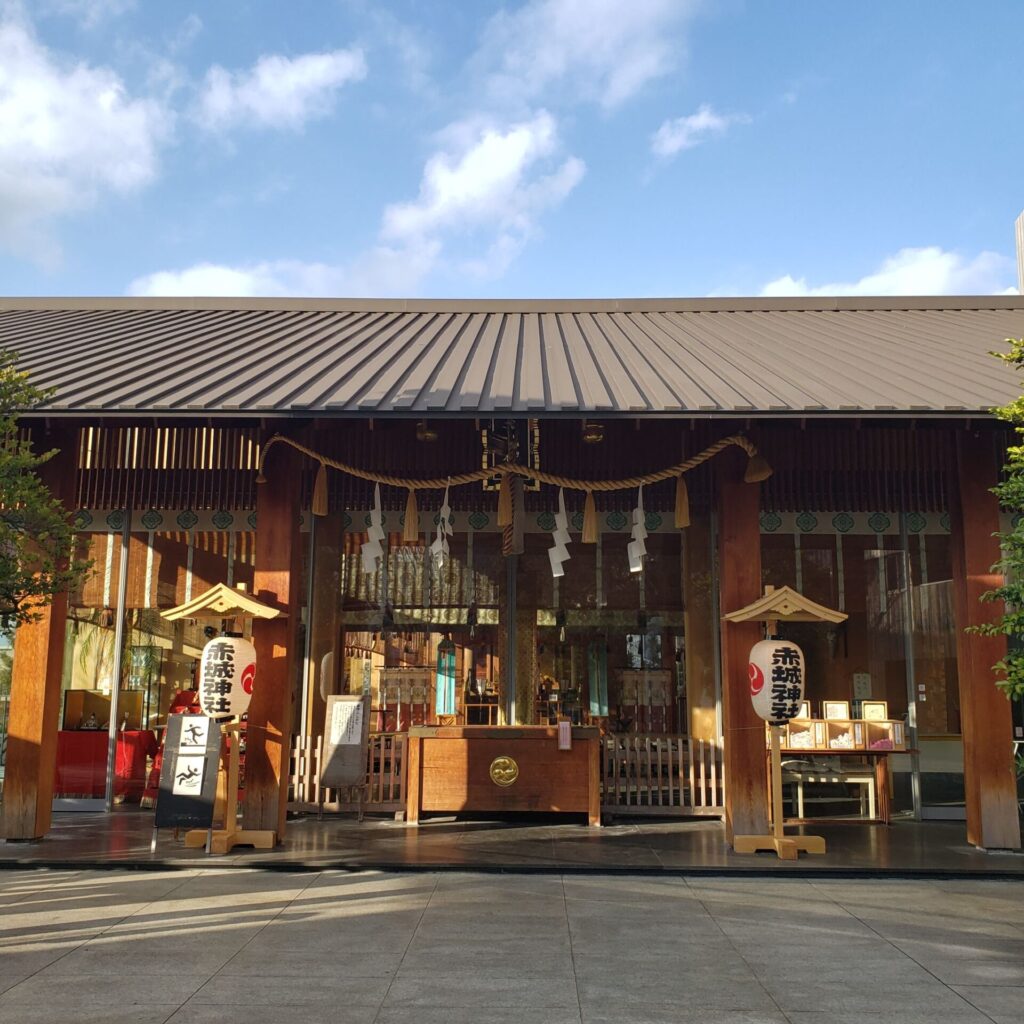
(559, 552)
(439, 549)
(636, 547)
(373, 550)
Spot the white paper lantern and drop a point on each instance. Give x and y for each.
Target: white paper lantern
(776, 673)
(226, 675)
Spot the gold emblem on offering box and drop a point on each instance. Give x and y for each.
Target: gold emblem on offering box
(504, 771)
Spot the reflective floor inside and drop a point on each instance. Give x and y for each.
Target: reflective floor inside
(523, 844)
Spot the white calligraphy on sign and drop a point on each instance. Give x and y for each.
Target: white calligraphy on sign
(188, 776)
(347, 723)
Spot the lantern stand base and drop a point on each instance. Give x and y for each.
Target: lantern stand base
(785, 847)
(223, 840)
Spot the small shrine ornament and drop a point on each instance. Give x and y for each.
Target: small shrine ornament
(776, 671)
(226, 675)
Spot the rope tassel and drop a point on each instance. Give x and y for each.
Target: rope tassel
(757, 469)
(411, 529)
(319, 504)
(589, 520)
(682, 503)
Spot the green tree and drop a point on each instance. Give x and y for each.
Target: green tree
(36, 535)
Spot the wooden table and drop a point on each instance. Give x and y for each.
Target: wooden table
(503, 768)
(876, 775)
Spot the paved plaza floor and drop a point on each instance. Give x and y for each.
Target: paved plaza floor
(226, 945)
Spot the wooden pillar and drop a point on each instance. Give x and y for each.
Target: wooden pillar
(739, 575)
(324, 620)
(989, 778)
(276, 581)
(525, 682)
(36, 678)
(699, 630)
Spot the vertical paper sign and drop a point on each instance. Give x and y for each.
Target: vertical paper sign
(565, 735)
(346, 723)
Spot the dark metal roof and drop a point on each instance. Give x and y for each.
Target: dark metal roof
(266, 357)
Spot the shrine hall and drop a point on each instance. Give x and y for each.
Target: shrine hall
(539, 540)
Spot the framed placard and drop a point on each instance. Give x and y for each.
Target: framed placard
(875, 710)
(345, 742)
(836, 709)
(188, 773)
(805, 711)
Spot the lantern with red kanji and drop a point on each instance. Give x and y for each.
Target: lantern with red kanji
(226, 675)
(776, 673)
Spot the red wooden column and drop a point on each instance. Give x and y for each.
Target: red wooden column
(739, 576)
(989, 777)
(276, 581)
(36, 678)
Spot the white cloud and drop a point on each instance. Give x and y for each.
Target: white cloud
(278, 92)
(68, 133)
(925, 271)
(600, 50)
(478, 205)
(485, 180)
(686, 132)
(281, 277)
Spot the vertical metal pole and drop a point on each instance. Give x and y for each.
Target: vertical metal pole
(511, 633)
(119, 638)
(308, 644)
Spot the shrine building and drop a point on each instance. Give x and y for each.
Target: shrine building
(493, 517)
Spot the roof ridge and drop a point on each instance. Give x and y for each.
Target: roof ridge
(729, 304)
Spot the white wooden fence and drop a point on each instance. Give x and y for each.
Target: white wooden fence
(642, 774)
(659, 774)
(385, 776)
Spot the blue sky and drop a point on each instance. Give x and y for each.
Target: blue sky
(539, 148)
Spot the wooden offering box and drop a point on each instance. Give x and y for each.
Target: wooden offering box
(888, 735)
(495, 768)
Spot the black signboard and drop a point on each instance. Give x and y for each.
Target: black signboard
(188, 775)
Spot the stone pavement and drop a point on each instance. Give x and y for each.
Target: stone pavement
(227, 945)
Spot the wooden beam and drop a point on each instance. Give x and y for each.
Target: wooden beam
(36, 678)
(986, 721)
(277, 582)
(739, 574)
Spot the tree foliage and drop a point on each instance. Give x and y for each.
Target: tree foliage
(36, 535)
(1010, 492)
